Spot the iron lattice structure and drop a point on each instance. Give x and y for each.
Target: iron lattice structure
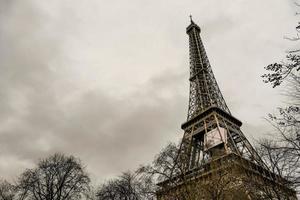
(204, 90)
(208, 113)
(213, 142)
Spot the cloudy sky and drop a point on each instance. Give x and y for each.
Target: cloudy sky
(107, 81)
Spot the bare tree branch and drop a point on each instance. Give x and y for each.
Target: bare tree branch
(57, 177)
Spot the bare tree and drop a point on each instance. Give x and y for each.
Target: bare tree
(128, 186)
(7, 190)
(282, 163)
(278, 72)
(141, 185)
(164, 168)
(282, 153)
(58, 177)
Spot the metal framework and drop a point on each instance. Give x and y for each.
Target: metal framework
(204, 90)
(208, 113)
(211, 134)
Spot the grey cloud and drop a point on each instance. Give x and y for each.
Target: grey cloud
(117, 133)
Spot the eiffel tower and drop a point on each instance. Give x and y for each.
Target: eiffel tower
(213, 141)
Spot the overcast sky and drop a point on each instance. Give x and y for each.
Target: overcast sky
(107, 81)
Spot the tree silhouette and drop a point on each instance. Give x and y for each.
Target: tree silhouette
(58, 177)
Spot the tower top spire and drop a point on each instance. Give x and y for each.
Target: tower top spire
(191, 17)
(192, 25)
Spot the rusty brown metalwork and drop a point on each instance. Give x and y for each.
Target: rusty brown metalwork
(208, 110)
(212, 136)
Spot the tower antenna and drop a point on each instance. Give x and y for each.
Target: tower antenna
(191, 17)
